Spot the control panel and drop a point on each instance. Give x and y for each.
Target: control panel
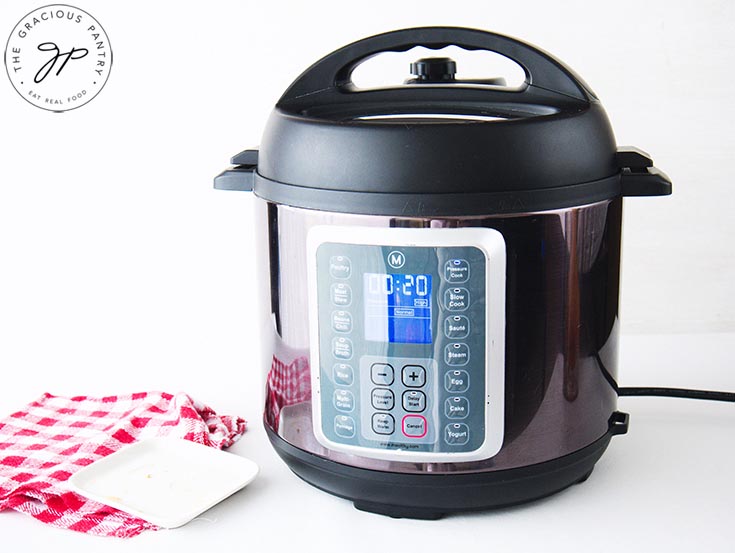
(407, 338)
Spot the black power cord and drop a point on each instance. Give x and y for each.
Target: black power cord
(663, 392)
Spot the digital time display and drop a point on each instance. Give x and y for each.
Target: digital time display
(397, 308)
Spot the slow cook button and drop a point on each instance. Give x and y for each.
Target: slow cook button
(456, 271)
(344, 401)
(341, 294)
(456, 433)
(342, 348)
(457, 299)
(456, 327)
(382, 399)
(383, 423)
(414, 401)
(344, 426)
(456, 381)
(340, 266)
(343, 374)
(414, 426)
(457, 408)
(342, 321)
(457, 354)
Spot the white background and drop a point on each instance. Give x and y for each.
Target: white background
(121, 269)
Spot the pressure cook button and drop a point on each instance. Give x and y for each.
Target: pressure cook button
(456, 381)
(382, 399)
(456, 326)
(414, 426)
(340, 266)
(414, 401)
(383, 423)
(381, 374)
(343, 374)
(342, 348)
(456, 433)
(457, 354)
(457, 299)
(456, 271)
(341, 294)
(342, 321)
(344, 401)
(413, 376)
(457, 408)
(344, 426)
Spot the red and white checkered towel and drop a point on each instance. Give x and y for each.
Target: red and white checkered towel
(53, 437)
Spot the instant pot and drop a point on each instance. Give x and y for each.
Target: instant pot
(440, 277)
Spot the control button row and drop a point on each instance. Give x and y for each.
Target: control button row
(412, 426)
(412, 401)
(456, 271)
(412, 376)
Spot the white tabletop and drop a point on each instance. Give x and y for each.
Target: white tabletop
(666, 485)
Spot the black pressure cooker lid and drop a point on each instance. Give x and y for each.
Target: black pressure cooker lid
(437, 145)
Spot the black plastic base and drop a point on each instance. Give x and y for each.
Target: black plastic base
(431, 496)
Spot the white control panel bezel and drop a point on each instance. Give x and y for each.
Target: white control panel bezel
(492, 244)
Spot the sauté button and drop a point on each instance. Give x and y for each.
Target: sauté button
(456, 326)
(381, 374)
(414, 401)
(414, 426)
(413, 376)
(344, 426)
(342, 348)
(456, 271)
(342, 321)
(344, 401)
(456, 433)
(340, 266)
(457, 408)
(456, 381)
(457, 354)
(383, 423)
(343, 374)
(457, 299)
(341, 294)
(382, 399)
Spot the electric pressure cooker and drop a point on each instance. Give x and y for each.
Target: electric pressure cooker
(440, 274)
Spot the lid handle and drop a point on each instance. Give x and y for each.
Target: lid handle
(333, 73)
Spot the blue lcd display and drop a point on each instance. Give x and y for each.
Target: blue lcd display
(397, 308)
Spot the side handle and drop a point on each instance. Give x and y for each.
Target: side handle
(241, 175)
(638, 176)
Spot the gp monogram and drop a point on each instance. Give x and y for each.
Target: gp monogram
(58, 57)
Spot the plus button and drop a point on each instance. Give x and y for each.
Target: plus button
(413, 376)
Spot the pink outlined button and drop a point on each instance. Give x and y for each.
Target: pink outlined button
(414, 426)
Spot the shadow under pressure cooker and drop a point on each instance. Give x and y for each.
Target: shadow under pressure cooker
(441, 264)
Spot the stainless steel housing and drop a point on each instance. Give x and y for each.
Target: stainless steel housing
(561, 328)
